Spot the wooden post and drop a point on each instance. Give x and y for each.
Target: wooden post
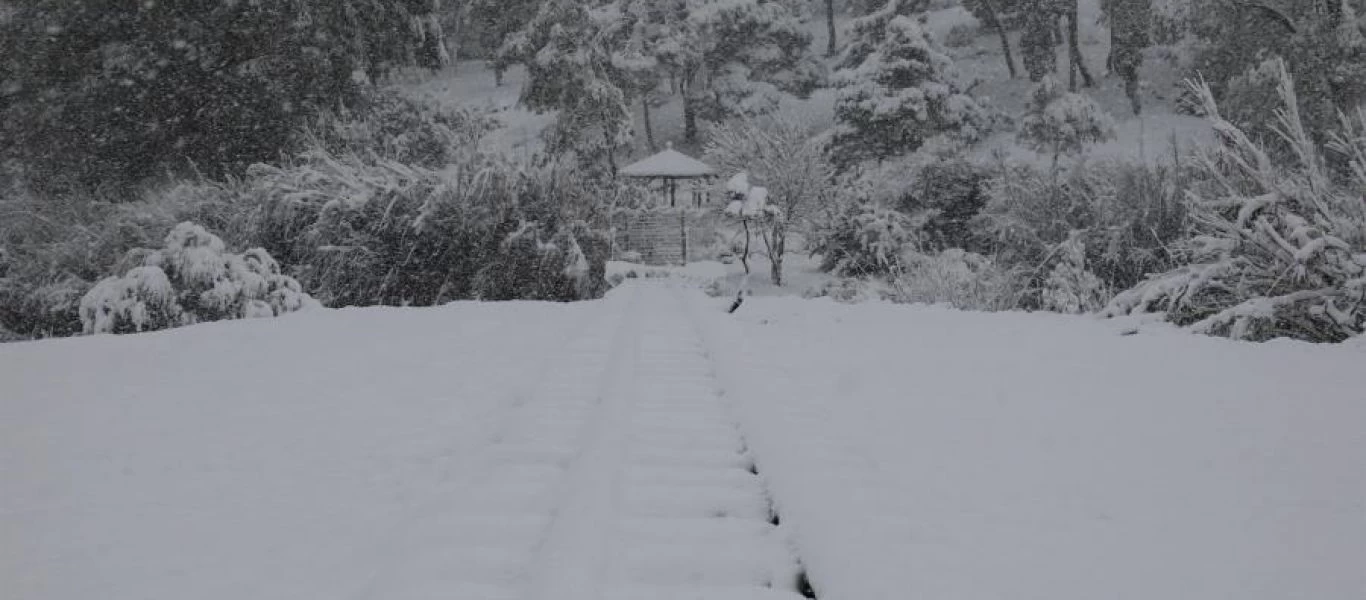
(683, 227)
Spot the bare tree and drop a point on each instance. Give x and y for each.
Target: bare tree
(781, 155)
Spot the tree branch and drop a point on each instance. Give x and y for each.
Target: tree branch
(1271, 12)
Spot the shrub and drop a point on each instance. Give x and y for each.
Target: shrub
(571, 265)
(955, 189)
(866, 239)
(56, 245)
(1070, 287)
(1124, 217)
(363, 230)
(1280, 246)
(191, 280)
(962, 279)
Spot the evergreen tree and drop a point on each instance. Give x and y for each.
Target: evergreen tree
(1037, 40)
(1130, 27)
(900, 95)
(1063, 123)
(494, 21)
(1321, 42)
(585, 63)
(736, 57)
(104, 93)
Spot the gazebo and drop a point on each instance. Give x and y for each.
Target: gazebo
(670, 166)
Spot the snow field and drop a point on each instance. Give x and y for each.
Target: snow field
(650, 445)
(925, 452)
(268, 459)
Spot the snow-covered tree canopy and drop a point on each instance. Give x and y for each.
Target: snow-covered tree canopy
(730, 57)
(128, 89)
(584, 61)
(1059, 122)
(900, 94)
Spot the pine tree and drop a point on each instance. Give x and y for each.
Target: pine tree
(1321, 42)
(1130, 27)
(1037, 40)
(583, 62)
(1061, 123)
(126, 90)
(494, 21)
(737, 57)
(900, 94)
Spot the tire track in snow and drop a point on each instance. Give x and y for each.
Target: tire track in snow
(623, 476)
(695, 520)
(814, 478)
(480, 542)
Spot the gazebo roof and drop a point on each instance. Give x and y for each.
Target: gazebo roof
(669, 163)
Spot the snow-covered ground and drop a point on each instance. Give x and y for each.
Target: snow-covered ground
(930, 453)
(604, 450)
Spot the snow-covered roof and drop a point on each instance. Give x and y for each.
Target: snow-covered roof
(669, 163)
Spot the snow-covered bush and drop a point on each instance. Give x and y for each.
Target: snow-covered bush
(1070, 287)
(1279, 247)
(361, 230)
(1125, 217)
(1059, 122)
(868, 239)
(965, 280)
(58, 244)
(192, 279)
(570, 265)
(955, 190)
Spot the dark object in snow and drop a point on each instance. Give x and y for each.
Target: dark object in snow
(739, 299)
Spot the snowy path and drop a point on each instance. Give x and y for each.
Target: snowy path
(624, 476)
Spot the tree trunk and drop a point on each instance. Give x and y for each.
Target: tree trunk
(830, 27)
(744, 256)
(649, 127)
(775, 240)
(1131, 90)
(1074, 49)
(995, 23)
(689, 117)
(775, 258)
(611, 155)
